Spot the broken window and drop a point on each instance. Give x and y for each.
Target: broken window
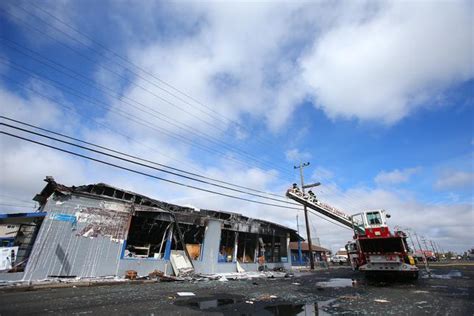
(193, 236)
(146, 237)
(281, 249)
(227, 246)
(273, 248)
(246, 246)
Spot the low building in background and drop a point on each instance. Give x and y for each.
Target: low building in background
(320, 254)
(98, 230)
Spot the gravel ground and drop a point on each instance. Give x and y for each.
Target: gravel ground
(449, 291)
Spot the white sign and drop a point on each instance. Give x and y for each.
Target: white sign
(7, 257)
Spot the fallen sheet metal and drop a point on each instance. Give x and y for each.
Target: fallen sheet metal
(180, 263)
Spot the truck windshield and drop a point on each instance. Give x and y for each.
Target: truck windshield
(358, 223)
(374, 218)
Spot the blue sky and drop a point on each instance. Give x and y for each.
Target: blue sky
(376, 95)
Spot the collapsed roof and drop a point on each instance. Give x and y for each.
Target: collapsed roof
(141, 203)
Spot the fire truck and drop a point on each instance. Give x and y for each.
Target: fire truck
(374, 250)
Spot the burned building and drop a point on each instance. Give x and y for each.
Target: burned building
(98, 230)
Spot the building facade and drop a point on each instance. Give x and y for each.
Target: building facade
(98, 230)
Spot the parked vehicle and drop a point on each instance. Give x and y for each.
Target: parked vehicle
(339, 259)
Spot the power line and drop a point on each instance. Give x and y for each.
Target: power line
(131, 161)
(102, 66)
(143, 173)
(89, 38)
(17, 205)
(72, 110)
(327, 220)
(126, 115)
(108, 69)
(110, 92)
(135, 157)
(122, 113)
(9, 197)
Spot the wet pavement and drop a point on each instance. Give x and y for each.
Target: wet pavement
(448, 291)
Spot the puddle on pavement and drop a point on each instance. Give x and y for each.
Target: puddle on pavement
(451, 274)
(290, 309)
(214, 303)
(258, 307)
(336, 283)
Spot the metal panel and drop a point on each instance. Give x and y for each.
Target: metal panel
(62, 248)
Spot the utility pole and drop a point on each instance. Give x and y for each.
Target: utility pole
(300, 252)
(308, 233)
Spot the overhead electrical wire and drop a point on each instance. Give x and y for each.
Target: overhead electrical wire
(143, 173)
(160, 178)
(112, 71)
(164, 179)
(116, 56)
(129, 62)
(97, 43)
(188, 128)
(129, 156)
(122, 113)
(119, 75)
(141, 69)
(138, 158)
(142, 164)
(167, 119)
(16, 199)
(97, 122)
(17, 205)
(102, 66)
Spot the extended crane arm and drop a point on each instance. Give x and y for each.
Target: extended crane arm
(311, 202)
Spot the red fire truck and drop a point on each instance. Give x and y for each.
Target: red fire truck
(375, 250)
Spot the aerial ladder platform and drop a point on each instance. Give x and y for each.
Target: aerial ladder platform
(374, 249)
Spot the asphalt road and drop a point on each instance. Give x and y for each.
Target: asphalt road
(449, 291)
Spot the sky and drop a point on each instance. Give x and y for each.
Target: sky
(376, 95)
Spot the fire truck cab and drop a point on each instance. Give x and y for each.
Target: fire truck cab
(371, 223)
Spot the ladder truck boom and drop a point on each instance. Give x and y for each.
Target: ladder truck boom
(312, 202)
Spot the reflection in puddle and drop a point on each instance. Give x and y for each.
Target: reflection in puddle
(290, 309)
(451, 274)
(336, 283)
(259, 307)
(207, 304)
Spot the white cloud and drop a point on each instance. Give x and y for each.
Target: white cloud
(295, 155)
(455, 179)
(396, 176)
(321, 173)
(383, 66)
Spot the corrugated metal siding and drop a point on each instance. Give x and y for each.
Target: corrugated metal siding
(92, 246)
(62, 249)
